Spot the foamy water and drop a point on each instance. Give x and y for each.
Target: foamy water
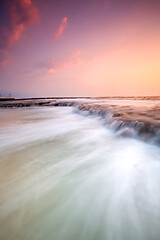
(64, 176)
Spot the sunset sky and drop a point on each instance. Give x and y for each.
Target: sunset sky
(79, 48)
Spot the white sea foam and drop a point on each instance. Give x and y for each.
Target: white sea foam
(64, 176)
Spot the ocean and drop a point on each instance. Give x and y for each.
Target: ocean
(69, 174)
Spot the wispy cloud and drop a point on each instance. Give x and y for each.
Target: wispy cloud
(61, 28)
(76, 53)
(4, 62)
(72, 60)
(51, 71)
(18, 15)
(52, 66)
(27, 1)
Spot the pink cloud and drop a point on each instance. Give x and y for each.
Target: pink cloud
(17, 32)
(18, 16)
(72, 60)
(61, 28)
(4, 62)
(27, 1)
(51, 71)
(76, 53)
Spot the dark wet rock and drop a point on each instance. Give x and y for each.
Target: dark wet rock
(43, 103)
(117, 114)
(147, 129)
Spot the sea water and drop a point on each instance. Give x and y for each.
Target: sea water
(65, 176)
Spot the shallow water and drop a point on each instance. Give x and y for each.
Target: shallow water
(64, 176)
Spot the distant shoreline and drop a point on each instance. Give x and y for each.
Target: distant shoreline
(87, 97)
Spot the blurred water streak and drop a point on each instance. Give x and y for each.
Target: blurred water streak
(64, 176)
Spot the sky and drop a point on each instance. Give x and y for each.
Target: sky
(79, 48)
